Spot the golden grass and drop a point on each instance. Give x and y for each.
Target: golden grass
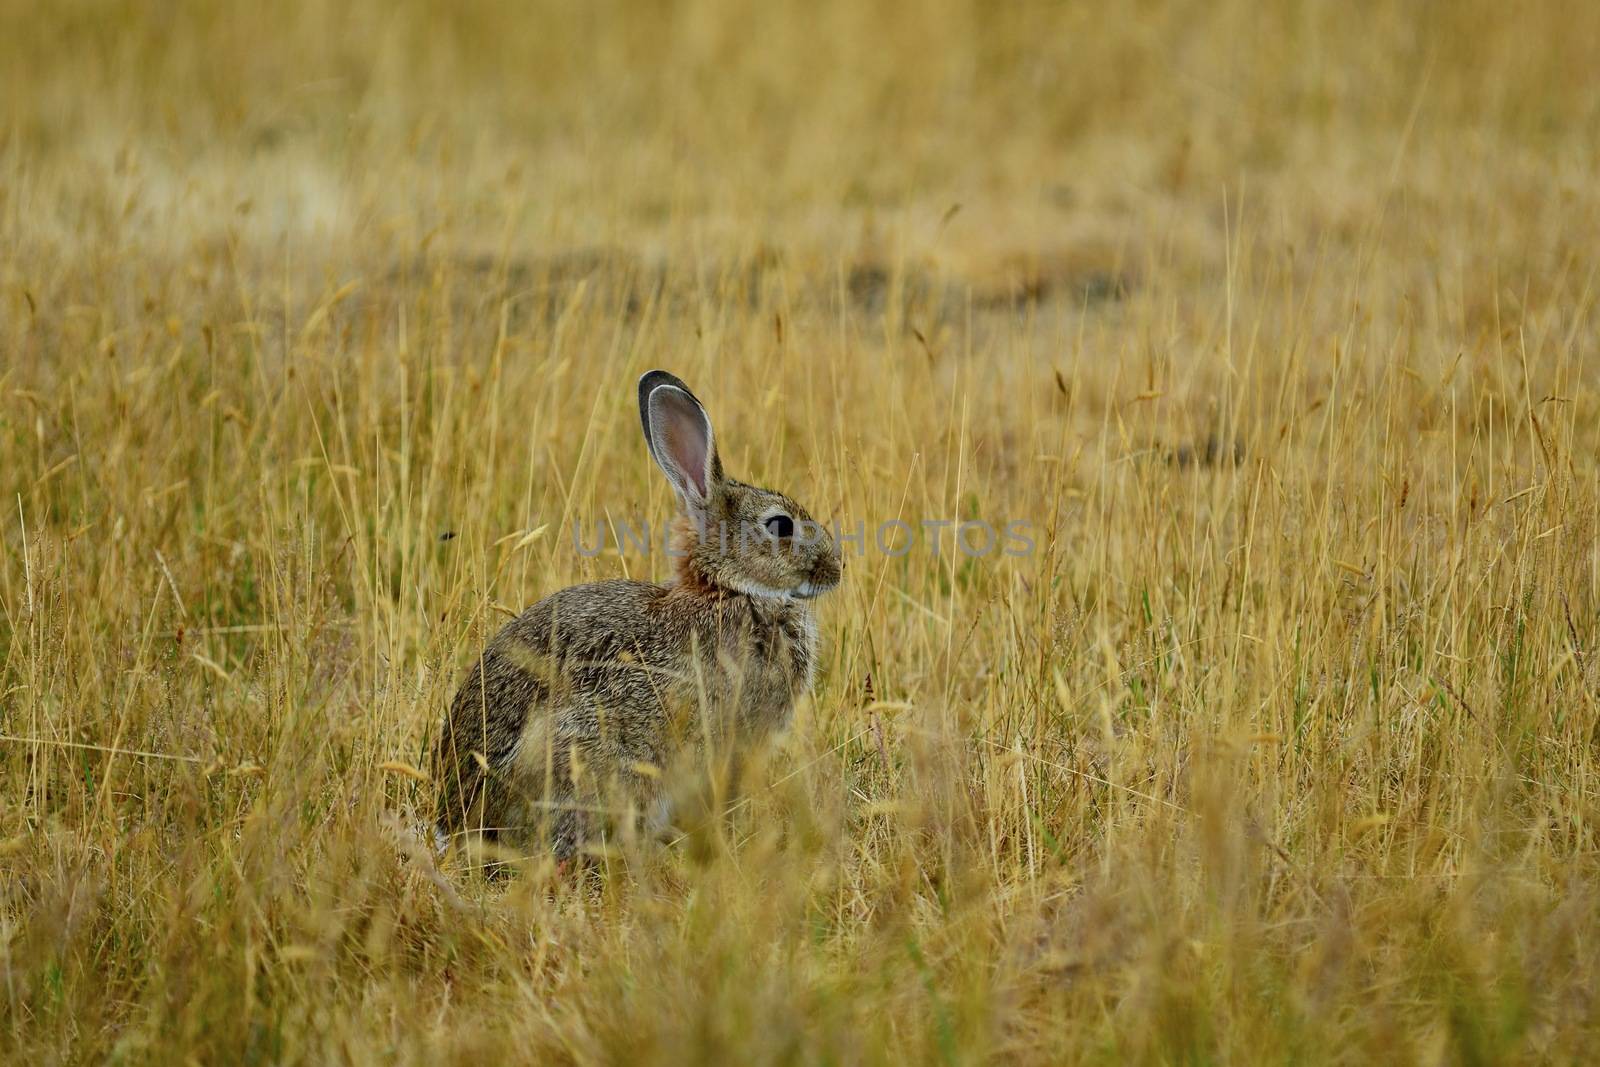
(1277, 321)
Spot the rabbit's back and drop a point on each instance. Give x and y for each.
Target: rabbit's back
(606, 687)
(575, 683)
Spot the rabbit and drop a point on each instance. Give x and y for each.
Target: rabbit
(618, 689)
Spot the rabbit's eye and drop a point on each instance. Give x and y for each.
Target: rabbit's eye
(780, 525)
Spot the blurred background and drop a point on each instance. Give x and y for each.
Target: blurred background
(580, 124)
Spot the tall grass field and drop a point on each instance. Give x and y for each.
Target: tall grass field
(1272, 325)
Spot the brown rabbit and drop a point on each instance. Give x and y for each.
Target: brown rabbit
(620, 690)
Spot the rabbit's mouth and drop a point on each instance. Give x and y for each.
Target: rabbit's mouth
(808, 590)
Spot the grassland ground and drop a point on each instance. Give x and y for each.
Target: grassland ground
(318, 329)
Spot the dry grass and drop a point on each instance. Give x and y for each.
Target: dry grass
(1277, 321)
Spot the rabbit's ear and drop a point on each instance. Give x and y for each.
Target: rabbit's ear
(678, 432)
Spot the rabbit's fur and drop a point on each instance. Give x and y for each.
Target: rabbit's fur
(601, 700)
